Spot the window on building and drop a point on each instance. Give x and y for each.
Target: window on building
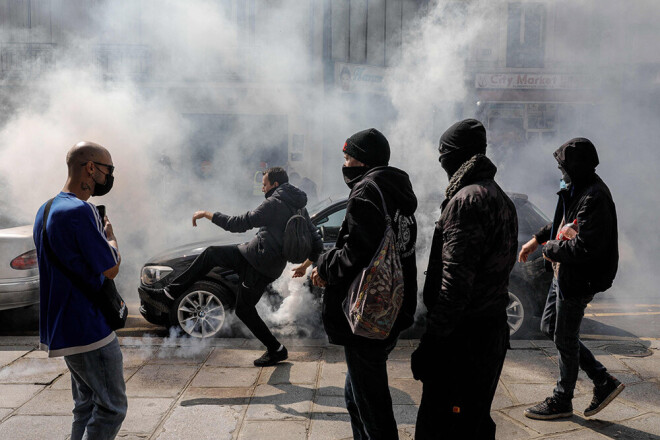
(526, 35)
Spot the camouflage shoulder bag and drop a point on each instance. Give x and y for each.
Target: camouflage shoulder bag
(376, 295)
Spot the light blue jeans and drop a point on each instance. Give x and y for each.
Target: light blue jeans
(99, 392)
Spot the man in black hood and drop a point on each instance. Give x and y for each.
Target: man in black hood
(461, 354)
(367, 394)
(581, 245)
(258, 262)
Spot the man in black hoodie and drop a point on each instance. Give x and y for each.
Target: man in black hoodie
(581, 245)
(258, 262)
(461, 354)
(366, 391)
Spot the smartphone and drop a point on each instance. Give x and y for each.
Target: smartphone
(101, 209)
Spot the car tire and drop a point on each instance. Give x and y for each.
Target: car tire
(520, 313)
(200, 311)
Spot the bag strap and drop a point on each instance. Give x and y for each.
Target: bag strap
(388, 219)
(83, 286)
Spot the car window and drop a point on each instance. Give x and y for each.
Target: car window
(530, 218)
(329, 225)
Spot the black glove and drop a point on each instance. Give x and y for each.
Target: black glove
(425, 361)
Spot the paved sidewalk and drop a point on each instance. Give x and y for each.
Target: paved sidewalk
(186, 389)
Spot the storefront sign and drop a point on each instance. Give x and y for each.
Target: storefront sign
(360, 78)
(545, 81)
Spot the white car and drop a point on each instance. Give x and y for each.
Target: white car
(19, 273)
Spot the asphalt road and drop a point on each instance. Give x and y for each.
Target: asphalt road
(609, 315)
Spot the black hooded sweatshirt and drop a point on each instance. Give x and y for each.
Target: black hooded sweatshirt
(264, 251)
(587, 263)
(360, 235)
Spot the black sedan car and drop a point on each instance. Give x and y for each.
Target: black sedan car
(200, 311)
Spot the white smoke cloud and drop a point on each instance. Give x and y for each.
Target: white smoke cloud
(202, 59)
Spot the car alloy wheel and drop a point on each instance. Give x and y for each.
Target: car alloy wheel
(515, 314)
(200, 311)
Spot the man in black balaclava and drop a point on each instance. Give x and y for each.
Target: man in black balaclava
(461, 353)
(584, 257)
(366, 170)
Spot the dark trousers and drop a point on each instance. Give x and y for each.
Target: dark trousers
(456, 401)
(367, 393)
(252, 285)
(561, 322)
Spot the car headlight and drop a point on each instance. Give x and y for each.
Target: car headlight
(152, 274)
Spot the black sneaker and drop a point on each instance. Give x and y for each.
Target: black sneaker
(603, 395)
(549, 409)
(271, 358)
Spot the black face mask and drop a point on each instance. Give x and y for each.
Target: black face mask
(353, 175)
(451, 161)
(103, 189)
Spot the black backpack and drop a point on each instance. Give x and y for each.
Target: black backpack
(297, 244)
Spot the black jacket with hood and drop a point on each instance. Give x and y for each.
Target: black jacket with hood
(473, 251)
(588, 262)
(264, 251)
(360, 235)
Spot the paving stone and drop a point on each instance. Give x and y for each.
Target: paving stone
(645, 395)
(159, 380)
(13, 396)
(281, 402)
(405, 391)
(230, 357)
(273, 430)
(401, 353)
(528, 393)
(10, 354)
(49, 402)
(181, 355)
(646, 367)
(305, 343)
(528, 366)
(405, 415)
(616, 411)
(334, 354)
(332, 380)
(399, 369)
(216, 396)
(329, 405)
(35, 427)
(521, 344)
(646, 427)
(137, 356)
(552, 426)
(502, 399)
(202, 422)
(217, 377)
(144, 414)
(330, 426)
(582, 434)
(36, 371)
(288, 372)
(4, 412)
(507, 429)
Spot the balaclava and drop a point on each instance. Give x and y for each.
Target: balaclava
(459, 143)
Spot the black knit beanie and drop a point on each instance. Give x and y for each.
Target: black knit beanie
(468, 134)
(369, 147)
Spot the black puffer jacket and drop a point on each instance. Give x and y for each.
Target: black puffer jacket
(360, 235)
(473, 250)
(264, 251)
(587, 263)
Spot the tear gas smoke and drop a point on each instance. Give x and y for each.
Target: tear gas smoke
(185, 61)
